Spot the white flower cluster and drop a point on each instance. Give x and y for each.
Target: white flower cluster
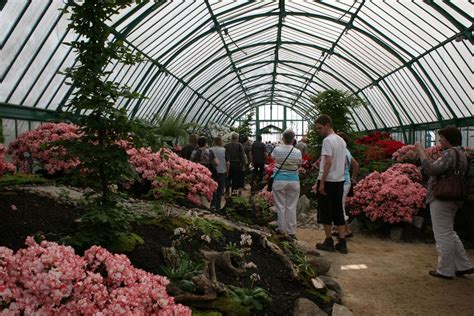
(255, 277)
(192, 213)
(245, 239)
(179, 231)
(206, 238)
(250, 265)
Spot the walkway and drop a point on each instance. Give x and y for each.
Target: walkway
(381, 277)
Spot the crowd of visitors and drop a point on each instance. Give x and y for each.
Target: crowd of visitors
(338, 172)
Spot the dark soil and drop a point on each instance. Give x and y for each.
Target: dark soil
(33, 215)
(275, 277)
(40, 215)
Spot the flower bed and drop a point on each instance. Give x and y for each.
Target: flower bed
(163, 169)
(391, 196)
(49, 279)
(192, 179)
(408, 154)
(29, 151)
(5, 166)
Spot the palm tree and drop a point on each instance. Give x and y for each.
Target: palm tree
(173, 127)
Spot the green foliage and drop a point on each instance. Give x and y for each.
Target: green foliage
(240, 202)
(126, 243)
(173, 127)
(95, 97)
(375, 165)
(21, 179)
(146, 134)
(260, 202)
(197, 312)
(244, 129)
(182, 269)
(255, 299)
(106, 226)
(207, 227)
(232, 247)
(305, 270)
(338, 105)
(170, 190)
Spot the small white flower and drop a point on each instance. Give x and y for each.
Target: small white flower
(191, 213)
(180, 230)
(255, 277)
(245, 239)
(206, 238)
(250, 265)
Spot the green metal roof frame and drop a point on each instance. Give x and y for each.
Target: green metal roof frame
(410, 81)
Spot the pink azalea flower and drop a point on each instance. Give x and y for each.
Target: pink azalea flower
(49, 279)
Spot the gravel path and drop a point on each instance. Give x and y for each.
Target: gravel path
(394, 280)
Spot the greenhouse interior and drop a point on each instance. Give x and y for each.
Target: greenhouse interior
(236, 157)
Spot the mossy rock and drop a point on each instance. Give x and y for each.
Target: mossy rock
(228, 306)
(21, 179)
(127, 243)
(197, 312)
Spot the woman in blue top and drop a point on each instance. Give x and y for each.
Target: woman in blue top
(286, 185)
(348, 180)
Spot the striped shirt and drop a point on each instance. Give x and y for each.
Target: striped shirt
(289, 171)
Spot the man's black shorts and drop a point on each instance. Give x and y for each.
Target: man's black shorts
(330, 206)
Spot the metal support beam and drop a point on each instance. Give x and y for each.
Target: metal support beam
(22, 112)
(461, 122)
(281, 17)
(462, 29)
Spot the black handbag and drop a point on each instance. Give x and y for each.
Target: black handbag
(272, 178)
(451, 186)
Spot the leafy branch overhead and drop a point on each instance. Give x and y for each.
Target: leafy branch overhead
(102, 123)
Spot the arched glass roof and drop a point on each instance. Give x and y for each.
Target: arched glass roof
(217, 60)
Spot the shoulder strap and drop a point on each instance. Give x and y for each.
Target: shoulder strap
(456, 165)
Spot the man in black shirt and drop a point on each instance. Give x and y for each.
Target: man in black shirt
(235, 157)
(258, 156)
(189, 148)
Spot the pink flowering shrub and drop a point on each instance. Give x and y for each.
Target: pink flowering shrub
(194, 179)
(49, 279)
(5, 166)
(408, 154)
(434, 152)
(469, 152)
(267, 196)
(28, 150)
(408, 169)
(389, 196)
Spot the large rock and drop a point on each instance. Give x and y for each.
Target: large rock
(396, 233)
(305, 307)
(303, 205)
(357, 226)
(331, 284)
(309, 251)
(319, 265)
(417, 221)
(340, 310)
(334, 296)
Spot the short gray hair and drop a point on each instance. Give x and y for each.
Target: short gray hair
(234, 136)
(288, 136)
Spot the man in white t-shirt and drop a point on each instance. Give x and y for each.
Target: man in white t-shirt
(331, 185)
